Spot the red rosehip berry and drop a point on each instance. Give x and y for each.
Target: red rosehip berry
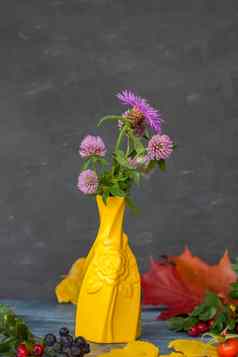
(210, 323)
(22, 350)
(38, 350)
(193, 331)
(202, 327)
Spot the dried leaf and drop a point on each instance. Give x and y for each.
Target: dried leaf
(68, 289)
(201, 277)
(181, 282)
(193, 348)
(173, 354)
(134, 349)
(163, 286)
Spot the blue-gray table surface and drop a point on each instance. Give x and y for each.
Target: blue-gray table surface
(44, 317)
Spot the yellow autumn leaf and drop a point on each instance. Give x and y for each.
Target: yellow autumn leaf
(68, 289)
(173, 354)
(147, 348)
(116, 352)
(193, 348)
(134, 349)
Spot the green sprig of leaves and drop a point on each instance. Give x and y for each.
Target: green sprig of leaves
(13, 331)
(211, 308)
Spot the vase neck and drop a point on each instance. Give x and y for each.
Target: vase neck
(111, 220)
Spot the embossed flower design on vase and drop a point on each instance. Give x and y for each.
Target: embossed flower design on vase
(109, 268)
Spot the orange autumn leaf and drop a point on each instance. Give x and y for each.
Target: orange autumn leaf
(180, 283)
(202, 277)
(162, 285)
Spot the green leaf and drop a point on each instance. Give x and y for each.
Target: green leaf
(7, 344)
(132, 205)
(116, 191)
(105, 196)
(110, 118)
(121, 159)
(152, 164)
(135, 175)
(220, 322)
(162, 165)
(235, 266)
(4, 310)
(221, 319)
(234, 294)
(234, 290)
(212, 299)
(208, 309)
(102, 161)
(176, 324)
(86, 164)
(146, 134)
(208, 314)
(121, 136)
(231, 325)
(92, 160)
(132, 153)
(198, 310)
(106, 178)
(22, 331)
(138, 145)
(189, 322)
(120, 179)
(12, 326)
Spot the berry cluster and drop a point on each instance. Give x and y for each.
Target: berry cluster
(65, 345)
(199, 328)
(36, 350)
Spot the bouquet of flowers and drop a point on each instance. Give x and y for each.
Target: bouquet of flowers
(140, 148)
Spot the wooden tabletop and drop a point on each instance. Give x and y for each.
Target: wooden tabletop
(45, 317)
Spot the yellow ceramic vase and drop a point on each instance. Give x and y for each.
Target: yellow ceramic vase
(108, 309)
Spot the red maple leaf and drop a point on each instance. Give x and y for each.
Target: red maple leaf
(181, 282)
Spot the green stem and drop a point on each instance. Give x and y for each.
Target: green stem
(128, 146)
(117, 146)
(113, 167)
(120, 137)
(95, 166)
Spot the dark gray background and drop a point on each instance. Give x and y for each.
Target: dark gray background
(61, 63)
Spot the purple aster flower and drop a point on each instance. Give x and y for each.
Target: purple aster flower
(92, 145)
(160, 147)
(140, 110)
(88, 182)
(139, 128)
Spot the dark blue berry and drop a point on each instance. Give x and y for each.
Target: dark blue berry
(64, 331)
(76, 351)
(57, 347)
(80, 341)
(67, 340)
(86, 348)
(66, 352)
(50, 339)
(82, 344)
